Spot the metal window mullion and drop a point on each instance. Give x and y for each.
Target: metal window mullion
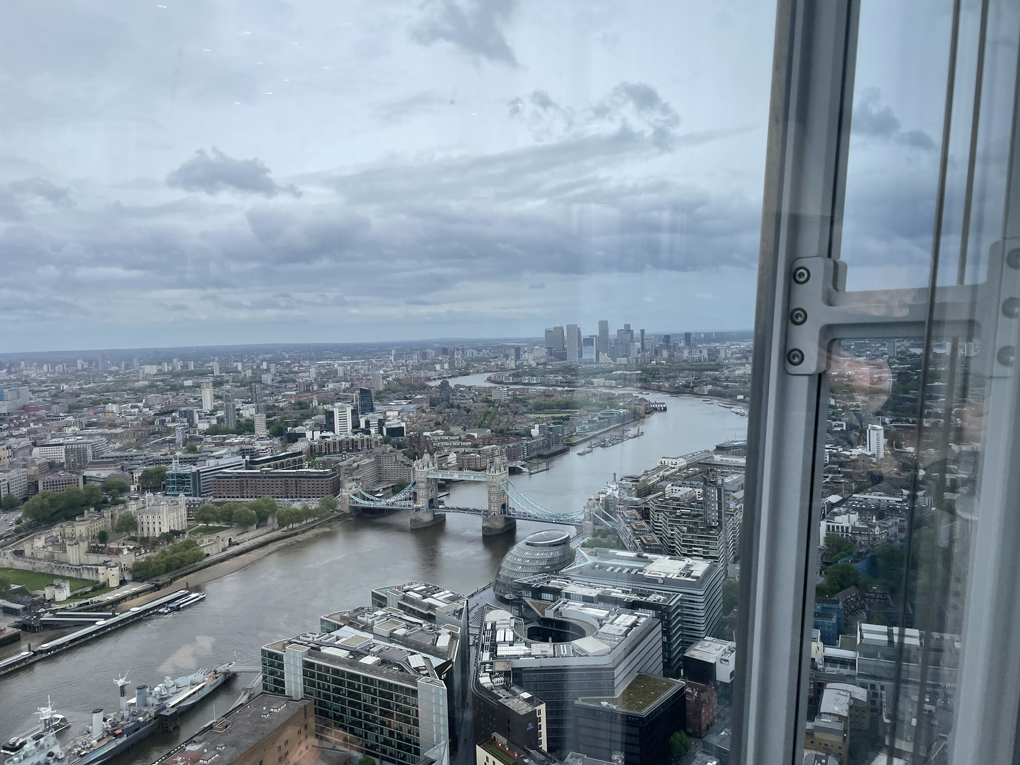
(805, 174)
(988, 693)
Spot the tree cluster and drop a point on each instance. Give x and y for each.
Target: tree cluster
(603, 538)
(246, 514)
(53, 507)
(152, 478)
(174, 557)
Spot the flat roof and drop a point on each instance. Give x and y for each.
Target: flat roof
(641, 694)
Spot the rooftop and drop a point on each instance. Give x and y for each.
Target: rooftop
(236, 732)
(643, 693)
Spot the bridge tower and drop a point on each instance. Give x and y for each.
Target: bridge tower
(497, 476)
(426, 494)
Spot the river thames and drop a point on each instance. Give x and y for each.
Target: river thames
(284, 593)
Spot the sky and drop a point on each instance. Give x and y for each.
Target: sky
(191, 173)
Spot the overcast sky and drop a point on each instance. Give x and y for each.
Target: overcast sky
(192, 173)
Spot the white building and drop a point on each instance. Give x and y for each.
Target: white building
(58, 592)
(876, 441)
(14, 481)
(157, 514)
(343, 420)
(260, 426)
(207, 396)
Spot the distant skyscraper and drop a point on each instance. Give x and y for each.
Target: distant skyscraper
(207, 396)
(215, 368)
(589, 348)
(229, 411)
(876, 441)
(260, 426)
(559, 342)
(363, 401)
(642, 346)
(256, 398)
(687, 340)
(549, 338)
(573, 343)
(603, 346)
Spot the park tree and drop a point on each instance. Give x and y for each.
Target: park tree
(328, 504)
(191, 449)
(92, 495)
(103, 537)
(264, 507)
(730, 595)
(153, 477)
(116, 486)
(840, 577)
(679, 744)
(207, 514)
(10, 502)
(126, 523)
(245, 517)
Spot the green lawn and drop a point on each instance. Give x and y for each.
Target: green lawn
(208, 529)
(90, 595)
(37, 582)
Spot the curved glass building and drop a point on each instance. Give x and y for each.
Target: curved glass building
(543, 552)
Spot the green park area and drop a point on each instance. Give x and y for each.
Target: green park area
(37, 582)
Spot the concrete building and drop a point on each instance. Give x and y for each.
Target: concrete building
(57, 482)
(229, 411)
(14, 481)
(207, 396)
(603, 346)
(572, 651)
(278, 484)
(340, 420)
(876, 441)
(260, 425)
(268, 730)
(351, 675)
(638, 723)
(640, 576)
(543, 552)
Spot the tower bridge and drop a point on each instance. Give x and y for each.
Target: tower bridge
(506, 502)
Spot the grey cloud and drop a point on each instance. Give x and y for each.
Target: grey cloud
(15, 195)
(881, 123)
(216, 172)
(474, 26)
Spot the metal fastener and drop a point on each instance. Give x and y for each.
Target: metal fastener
(1005, 356)
(1013, 258)
(801, 274)
(798, 316)
(795, 357)
(1011, 308)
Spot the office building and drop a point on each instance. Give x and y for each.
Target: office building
(14, 481)
(278, 484)
(260, 425)
(876, 441)
(549, 339)
(58, 482)
(603, 346)
(363, 401)
(371, 694)
(708, 528)
(197, 480)
(340, 420)
(589, 349)
(652, 583)
(268, 730)
(637, 723)
(575, 651)
(573, 343)
(559, 344)
(207, 396)
(257, 398)
(229, 411)
(281, 461)
(543, 552)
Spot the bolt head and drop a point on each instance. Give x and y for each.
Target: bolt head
(1013, 258)
(1006, 355)
(801, 275)
(1011, 307)
(798, 316)
(795, 357)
